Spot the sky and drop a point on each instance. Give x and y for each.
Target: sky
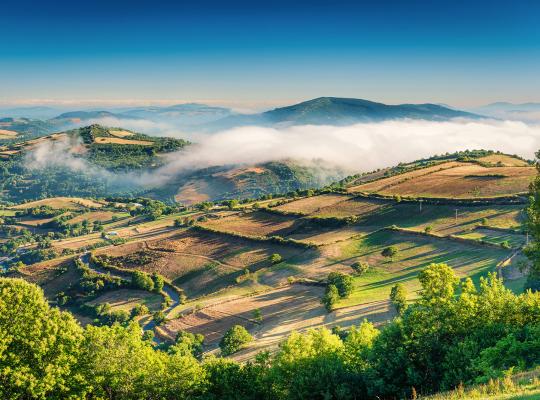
(257, 54)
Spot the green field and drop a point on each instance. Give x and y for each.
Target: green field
(442, 218)
(497, 237)
(414, 254)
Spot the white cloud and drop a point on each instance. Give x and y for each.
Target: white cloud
(355, 148)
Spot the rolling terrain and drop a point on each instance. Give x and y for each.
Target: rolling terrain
(263, 263)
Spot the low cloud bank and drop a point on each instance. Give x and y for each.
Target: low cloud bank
(359, 147)
(354, 148)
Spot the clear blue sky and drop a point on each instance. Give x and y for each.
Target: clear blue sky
(255, 53)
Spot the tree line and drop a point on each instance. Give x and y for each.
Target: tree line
(455, 333)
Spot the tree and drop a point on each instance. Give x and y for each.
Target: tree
(39, 346)
(533, 227)
(159, 317)
(158, 282)
(234, 339)
(188, 343)
(312, 366)
(275, 258)
(231, 204)
(389, 252)
(343, 283)
(398, 297)
(142, 281)
(439, 283)
(331, 297)
(121, 365)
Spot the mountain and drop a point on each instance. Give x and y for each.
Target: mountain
(527, 112)
(180, 114)
(26, 127)
(79, 116)
(37, 112)
(342, 111)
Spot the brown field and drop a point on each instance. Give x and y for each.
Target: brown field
(9, 152)
(465, 181)
(93, 216)
(127, 299)
(351, 207)
(7, 134)
(253, 224)
(122, 141)
(48, 276)
(34, 222)
(323, 236)
(77, 242)
(73, 203)
(385, 183)
(309, 205)
(507, 161)
(200, 262)
(238, 171)
(286, 309)
(120, 133)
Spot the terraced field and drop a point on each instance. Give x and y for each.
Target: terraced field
(455, 180)
(256, 223)
(228, 267)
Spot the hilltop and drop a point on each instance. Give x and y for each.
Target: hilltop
(343, 111)
(108, 153)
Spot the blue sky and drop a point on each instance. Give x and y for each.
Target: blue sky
(258, 54)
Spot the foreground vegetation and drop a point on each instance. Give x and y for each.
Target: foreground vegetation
(454, 334)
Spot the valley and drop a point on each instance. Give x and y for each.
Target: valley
(263, 263)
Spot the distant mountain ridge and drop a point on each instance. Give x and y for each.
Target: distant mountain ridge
(201, 117)
(343, 111)
(526, 112)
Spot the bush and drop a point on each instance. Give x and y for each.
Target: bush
(275, 258)
(389, 252)
(236, 338)
(148, 336)
(360, 267)
(139, 309)
(257, 315)
(141, 280)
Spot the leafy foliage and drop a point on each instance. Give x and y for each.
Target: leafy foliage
(234, 339)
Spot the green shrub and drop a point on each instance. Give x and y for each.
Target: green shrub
(234, 339)
(360, 267)
(389, 252)
(275, 258)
